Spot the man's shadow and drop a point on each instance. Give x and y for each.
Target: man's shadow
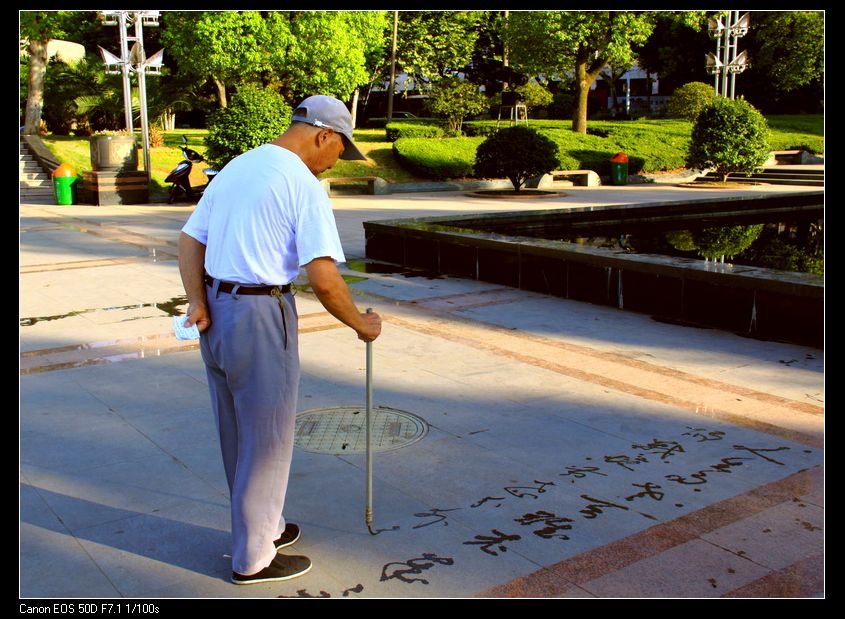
(163, 548)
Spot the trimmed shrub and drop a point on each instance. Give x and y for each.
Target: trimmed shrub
(688, 100)
(413, 129)
(438, 159)
(254, 117)
(517, 153)
(726, 240)
(479, 128)
(729, 136)
(715, 242)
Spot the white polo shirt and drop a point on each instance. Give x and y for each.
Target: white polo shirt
(263, 217)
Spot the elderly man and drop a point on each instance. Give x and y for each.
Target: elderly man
(263, 218)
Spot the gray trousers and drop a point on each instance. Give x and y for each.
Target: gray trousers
(251, 355)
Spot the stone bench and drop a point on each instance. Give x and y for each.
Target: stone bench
(793, 157)
(375, 184)
(584, 178)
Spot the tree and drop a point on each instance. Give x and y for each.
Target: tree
(517, 153)
(296, 52)
(790, 47)
(226, 47)
(579, 42)
(675, 52)
(81, 96)
(37, 28)
(255, 117)
(329, 52)
(456, 99)
(786, 51)
(730, 136)
(434, 43)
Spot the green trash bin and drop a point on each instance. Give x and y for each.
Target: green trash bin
(619, 169)
(64, 184)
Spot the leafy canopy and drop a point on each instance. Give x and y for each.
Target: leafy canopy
(456, 99)
(431, 43)
(580, 44)
(297, 52)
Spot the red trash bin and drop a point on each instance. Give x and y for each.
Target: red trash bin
(619, 169)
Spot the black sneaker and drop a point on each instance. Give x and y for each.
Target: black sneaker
(283, 567)
(288, 537)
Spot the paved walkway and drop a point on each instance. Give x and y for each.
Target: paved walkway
(568, 450)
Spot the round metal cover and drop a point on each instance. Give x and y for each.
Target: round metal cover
(342, 429)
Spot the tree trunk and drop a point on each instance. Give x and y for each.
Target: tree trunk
(221, 92)
(582, 92)
(584, 78)
(35, 96)
(355, 96)
(168, 120)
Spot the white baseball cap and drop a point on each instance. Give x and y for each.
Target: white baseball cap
(325, 111)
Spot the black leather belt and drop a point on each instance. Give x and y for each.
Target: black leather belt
(246, 289)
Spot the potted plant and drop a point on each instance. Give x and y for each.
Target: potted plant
(113, 151)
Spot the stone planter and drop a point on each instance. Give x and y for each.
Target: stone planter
(113, 153)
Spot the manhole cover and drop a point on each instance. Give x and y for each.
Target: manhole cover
(342, 430)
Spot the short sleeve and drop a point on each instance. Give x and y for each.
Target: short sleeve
(316, 229)
(197, 224)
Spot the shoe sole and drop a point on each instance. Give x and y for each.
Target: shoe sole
(274, 579)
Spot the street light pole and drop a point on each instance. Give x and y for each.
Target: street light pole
(392, 67)
(127, 87)
(134, 60)
(726, 59)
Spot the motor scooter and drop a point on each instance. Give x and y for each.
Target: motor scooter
(180, 175)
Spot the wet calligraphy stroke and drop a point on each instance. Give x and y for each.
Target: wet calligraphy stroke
(664, 448)
(498, 539)
(517, 490)
(436, 513)
(581, 471)
(702, 435)
(303, 593)
(553, 523)
(414, 567)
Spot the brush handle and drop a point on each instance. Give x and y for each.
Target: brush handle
(368, 514)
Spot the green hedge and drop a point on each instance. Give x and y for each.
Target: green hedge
(415, 128)
(651, 145)
(439, 159)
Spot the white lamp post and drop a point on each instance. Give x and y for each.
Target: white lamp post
(134, 60)
(726, 61)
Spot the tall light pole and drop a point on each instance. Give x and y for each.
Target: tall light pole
(727, 61)
(392, 67)
(134, 60)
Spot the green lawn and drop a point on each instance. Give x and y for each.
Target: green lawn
(652, 145)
